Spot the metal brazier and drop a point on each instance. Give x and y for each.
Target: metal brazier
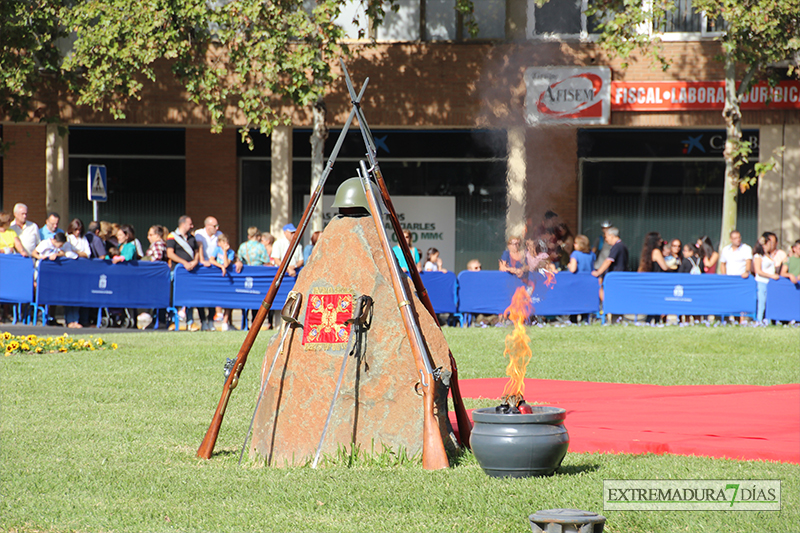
(519, 445)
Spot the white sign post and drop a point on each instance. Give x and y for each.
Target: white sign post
(97, 185)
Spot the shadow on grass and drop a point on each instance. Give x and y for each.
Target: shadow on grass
(571, 470)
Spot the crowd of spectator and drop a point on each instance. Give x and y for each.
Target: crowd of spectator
(207, 246)
(549, 247)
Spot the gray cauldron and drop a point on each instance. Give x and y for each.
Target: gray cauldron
(519, 445)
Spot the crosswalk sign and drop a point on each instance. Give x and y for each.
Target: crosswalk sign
(97, 183)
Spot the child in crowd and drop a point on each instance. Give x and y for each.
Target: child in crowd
(473, 265)
(692, 262)
(113, 254)
(221, 256)
(55, 246)
(433, 263)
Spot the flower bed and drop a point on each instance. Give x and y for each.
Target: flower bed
(29, 344)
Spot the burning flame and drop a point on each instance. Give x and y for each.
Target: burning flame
(517, 349)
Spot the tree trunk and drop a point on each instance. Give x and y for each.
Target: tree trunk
(733, 127)
(318, 136)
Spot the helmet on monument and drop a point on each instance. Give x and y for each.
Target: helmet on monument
(351, 194)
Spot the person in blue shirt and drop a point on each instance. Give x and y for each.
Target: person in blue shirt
(581, 259)
(398, 252)
(50, 227)
(222, 256)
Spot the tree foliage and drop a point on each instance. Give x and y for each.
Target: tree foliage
(760, 38)
(29, 55)
(223, 53)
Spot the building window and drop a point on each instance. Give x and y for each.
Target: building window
(684, 22)
(566, 19)
(425, 20)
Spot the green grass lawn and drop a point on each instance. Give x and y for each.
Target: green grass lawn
(106, 441)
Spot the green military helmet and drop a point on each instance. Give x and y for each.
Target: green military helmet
(351, 194)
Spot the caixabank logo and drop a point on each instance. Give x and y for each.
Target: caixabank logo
(567, 95)
(692, 495)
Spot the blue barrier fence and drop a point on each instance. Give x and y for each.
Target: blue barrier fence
(94, 283)
(489, 292)
(207, 287)
(650, 293)
(16, 279)
(783, 300)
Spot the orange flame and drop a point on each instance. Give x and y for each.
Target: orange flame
(549, 279)
(517, 349)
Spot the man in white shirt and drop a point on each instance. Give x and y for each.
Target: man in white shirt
(28, 232)
(280, 248)
(207, 237)
(736, 258)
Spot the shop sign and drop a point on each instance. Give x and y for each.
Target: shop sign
(699, 96)
(567, 95)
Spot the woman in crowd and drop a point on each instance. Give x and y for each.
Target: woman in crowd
(581, 259)
(252, 251)
(76, 236)
(710, 255)
(433, 263)
(764, 268)
(158, 248)
(9, 242)
(652, 259)
(791, 267)
(127, 247)
(513, 258)
(673, 255)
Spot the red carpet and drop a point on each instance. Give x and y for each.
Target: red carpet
(724, 421)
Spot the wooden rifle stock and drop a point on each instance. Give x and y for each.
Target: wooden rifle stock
(434, 456)
(462, 419)
(207, 446)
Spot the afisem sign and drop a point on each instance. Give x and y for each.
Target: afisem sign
(567, 95)
(699, 95)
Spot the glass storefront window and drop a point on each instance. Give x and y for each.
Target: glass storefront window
(146, 170)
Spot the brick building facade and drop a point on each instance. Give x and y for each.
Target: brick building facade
(431, 87)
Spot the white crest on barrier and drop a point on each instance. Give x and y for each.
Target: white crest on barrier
(248, 282)
(103, 281)
(677, 292)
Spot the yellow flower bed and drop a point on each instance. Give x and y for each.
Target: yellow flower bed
(11, 344)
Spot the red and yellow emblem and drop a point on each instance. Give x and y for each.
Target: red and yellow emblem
(326, 315)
